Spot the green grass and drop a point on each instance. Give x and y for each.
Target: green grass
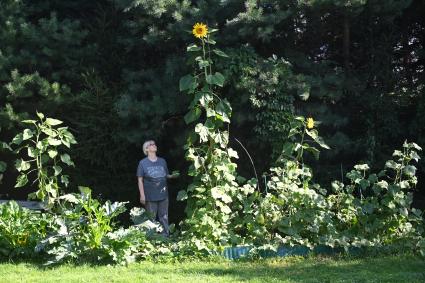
(402, 268)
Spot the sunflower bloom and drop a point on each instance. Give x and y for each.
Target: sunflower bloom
(310, 123)
(200, 30)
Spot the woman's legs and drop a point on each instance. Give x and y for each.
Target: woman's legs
(163, 215)
(158, 210)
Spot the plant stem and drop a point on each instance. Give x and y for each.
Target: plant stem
(204, 56)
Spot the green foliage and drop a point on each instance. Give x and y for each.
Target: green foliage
(273, 88)
(86, 232)
(372, 210)
(3, 165)
(21, 230)
(43, 144)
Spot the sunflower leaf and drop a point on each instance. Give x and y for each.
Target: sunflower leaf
(216, 79)
(193, 48)
(192, 115)
(220, 53)
(187, 82)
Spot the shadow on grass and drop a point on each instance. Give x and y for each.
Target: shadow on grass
(387, 269)
(381, 268)
(41, 262)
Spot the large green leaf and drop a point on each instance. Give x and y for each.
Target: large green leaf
(182, 195)
(65, 180)
(210, 41)
(70, 198)
(187, 82)
(409, 170)
(86, 191)
(27, 134)
(42, 145)
(21, 181)
(210, 112)
(31, 151)
(220, 53)
(232, 153)
(216, 79)
(52, 153)
(53, 122)
(315, 136)
(54, 142)
(288, 148)
(4, 145)
(49, 131)
(202, 131)
(65, 158)
(40, 115)
(44, 158)
(205, 98)
(203, 63)
(22, 165)
(66, 143)
(18, 139)
(219, 193)
(225, 209)
(192, 115)
(193, 48)
(224, 110)
(221, 138)
(3, 166)
(57, 170)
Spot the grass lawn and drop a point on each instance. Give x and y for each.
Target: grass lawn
(402, 268)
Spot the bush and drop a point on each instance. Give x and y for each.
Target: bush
(86, 232)
(372, 210)
(21, 229)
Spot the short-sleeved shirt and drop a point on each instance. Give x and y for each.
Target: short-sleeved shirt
(154, 175)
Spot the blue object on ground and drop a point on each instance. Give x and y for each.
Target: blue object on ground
(286, 250)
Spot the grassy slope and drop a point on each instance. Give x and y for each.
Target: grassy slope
(404, 268)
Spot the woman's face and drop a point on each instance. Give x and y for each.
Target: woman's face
(152, 147)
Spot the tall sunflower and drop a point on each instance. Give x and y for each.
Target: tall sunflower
(200, 30)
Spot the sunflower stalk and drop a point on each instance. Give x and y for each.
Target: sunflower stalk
(214, 189)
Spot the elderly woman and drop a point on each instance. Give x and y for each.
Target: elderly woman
(152, 174)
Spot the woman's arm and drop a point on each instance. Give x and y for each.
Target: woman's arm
(141, 190)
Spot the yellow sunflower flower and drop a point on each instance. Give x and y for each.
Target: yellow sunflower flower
(310, 123)
(200, 30)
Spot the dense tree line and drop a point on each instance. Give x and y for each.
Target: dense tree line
(110, 69)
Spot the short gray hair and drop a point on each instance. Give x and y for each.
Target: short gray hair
(146, 145)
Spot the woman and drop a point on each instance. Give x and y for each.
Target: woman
(152, 174)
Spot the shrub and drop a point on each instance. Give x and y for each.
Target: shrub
(21, 229)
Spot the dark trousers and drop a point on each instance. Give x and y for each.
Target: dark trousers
(159, 211)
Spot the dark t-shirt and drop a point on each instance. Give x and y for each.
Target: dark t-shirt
(154, 175)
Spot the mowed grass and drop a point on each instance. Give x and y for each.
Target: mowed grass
(402, 268)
